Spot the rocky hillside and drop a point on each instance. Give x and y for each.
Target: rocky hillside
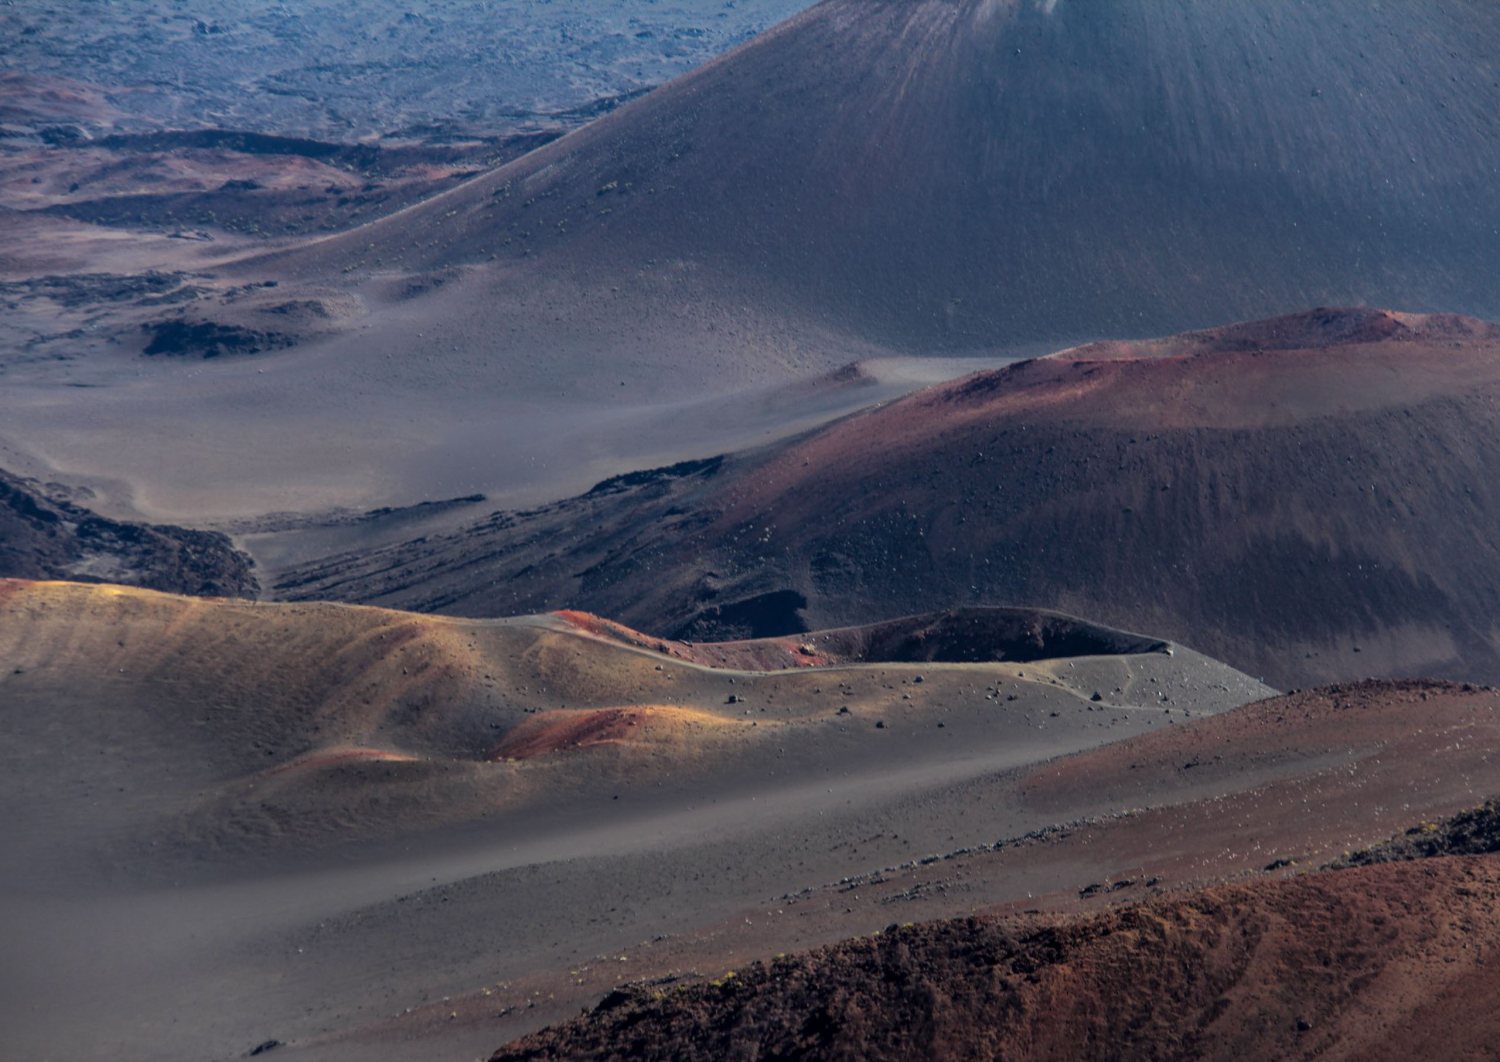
(44, 535)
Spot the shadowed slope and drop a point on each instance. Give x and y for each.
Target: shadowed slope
(1308, 498)
(934, 174)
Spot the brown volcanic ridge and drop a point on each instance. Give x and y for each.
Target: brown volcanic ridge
(1307, 498)
(1060, 172)
(1386, 962)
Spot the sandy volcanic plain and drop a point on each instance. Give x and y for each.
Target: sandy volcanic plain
(743, 691)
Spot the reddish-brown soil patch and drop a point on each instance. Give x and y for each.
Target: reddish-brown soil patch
(764, 654)
(548, 733)
(600, 627)
(1386, 961)
(567, 729)
(552, 732)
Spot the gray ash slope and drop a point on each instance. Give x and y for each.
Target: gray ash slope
(929, 174)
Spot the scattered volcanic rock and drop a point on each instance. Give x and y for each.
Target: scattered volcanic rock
(1299, 497)
(50, 537)
(1473, 832)
(1383, 961)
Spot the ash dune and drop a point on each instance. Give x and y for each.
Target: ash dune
(954, 636)
(269, 727)
(295, 436)
(1300, 497)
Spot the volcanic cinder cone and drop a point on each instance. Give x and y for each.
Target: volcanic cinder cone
(930, 174)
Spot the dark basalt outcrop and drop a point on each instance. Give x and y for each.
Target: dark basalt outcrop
(46, 536)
